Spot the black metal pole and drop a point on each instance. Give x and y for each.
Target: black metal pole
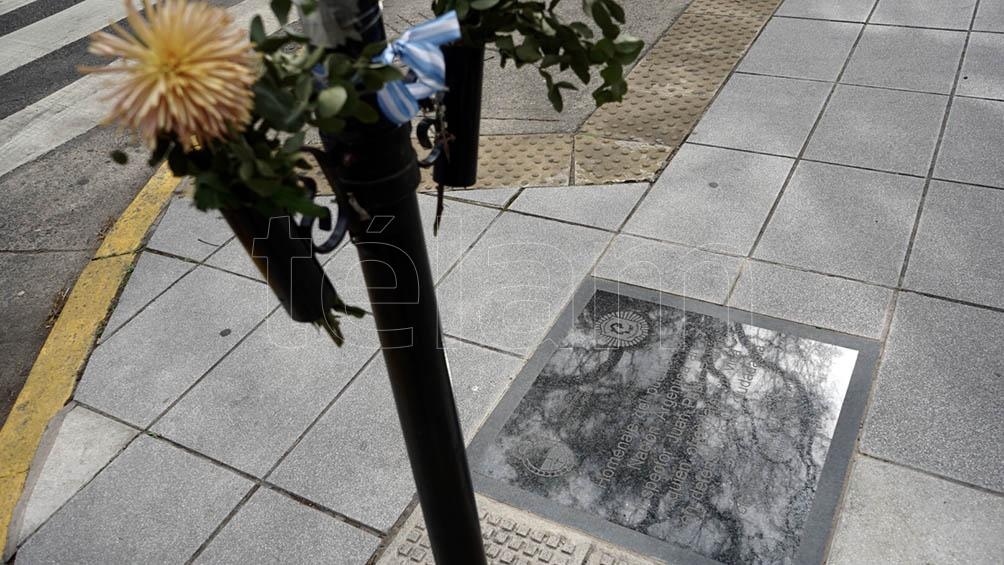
(375, 170)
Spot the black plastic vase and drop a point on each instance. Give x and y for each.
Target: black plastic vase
(283, 251)
(458, 165)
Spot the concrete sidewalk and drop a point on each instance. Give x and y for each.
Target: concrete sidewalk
(849, 175)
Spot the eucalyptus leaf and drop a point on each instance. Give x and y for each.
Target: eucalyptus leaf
(281, 10)
(330, 101)
(257, 30)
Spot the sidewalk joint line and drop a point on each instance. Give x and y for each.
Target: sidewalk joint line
(937, 149)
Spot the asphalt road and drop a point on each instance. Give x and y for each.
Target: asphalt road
(53, 205)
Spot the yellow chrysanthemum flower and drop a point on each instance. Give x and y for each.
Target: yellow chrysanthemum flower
(187, 71)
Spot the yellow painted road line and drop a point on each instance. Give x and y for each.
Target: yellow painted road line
(53, 377)
(126, 236)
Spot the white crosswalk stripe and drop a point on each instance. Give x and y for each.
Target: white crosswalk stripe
(45, 36)
(75, 109)
(11, 5)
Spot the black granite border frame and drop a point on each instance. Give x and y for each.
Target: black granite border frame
(821, 518)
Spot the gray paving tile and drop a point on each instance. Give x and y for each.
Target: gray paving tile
(844, 221)
(684, 271)
(82, 442)
(151, 276)
(990, 16)
(768, 114)
(879, 129)
(849, 10)
(152, 504)
(896, 515)
(508, 290)
(983, 69)
(233, 258)
(801, 48)
(494, 196)
(925, 13)
(272, 528)
(146, 365)
(818, 300)
(970, 147)
(957, 250)
(907, 58)
(354, 462)
(936, 404)
(461, 225)
(188, 232)
(251, 407)
(601, 206)
(712, 198)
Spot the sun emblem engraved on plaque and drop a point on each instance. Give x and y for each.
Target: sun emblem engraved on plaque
(621, 329)
(547, 458)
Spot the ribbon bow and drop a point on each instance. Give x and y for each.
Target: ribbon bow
(417, 49)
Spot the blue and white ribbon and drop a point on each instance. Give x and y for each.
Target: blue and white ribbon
(418, 50)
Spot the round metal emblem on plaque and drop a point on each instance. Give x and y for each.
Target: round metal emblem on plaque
(622, 329)
(547, 458)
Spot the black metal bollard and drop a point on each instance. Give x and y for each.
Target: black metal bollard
(465, 67)
(374, 173)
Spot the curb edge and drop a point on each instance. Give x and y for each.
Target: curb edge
(65, 352)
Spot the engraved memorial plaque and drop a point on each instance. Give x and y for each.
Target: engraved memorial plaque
(682, 430)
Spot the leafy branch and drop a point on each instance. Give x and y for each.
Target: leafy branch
(265, 163)
(532, 33)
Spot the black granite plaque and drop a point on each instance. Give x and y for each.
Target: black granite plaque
(680, 429)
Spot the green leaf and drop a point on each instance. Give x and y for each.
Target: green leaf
(271, 44)
(613, 72)
(243, 151)
(330, 101)
(264, 187)
(483, 4)
(554, 96)
(529, 51)
(119, 157)
(373, 49)
(365, 113)
(276, 107)
(265, 168)
(602, 18)
(581, 29)
(615, 10)
(293, 143)
(281, 10)
(308, 6)
(331, 125)
(505, 43)
(257, 30)
(246, 170)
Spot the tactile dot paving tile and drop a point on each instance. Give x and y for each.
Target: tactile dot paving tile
(747, 8)
(511, 537)
(661, 117)
(673, 84)
(600, 160)
(519, 161)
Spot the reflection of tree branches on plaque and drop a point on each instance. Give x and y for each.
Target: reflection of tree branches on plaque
(760, 427)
